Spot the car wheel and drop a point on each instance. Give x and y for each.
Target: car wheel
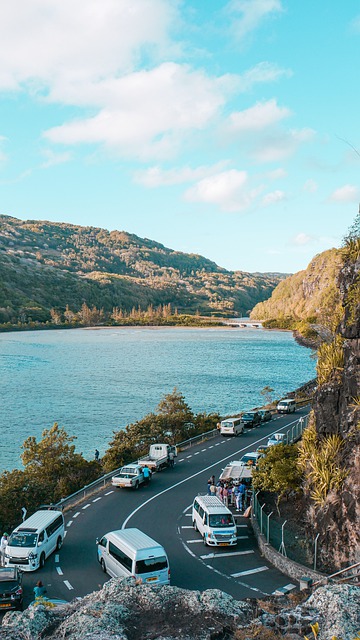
(42, 560)
(59, 543)
(103, 565)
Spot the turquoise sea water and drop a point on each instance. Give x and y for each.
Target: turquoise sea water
(95, 381)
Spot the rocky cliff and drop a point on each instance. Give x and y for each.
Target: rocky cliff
(337, 413)
(123, 610)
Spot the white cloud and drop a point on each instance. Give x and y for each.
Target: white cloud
(276, 146)
(53, 158)
(310, 186)
(261, 116)
(273, 197)
(149, 111)
(158, 177)
(260, 73)
(50, 44)
(229, 190)
(253, 13)
(302, 239)
(277, 174)
(347, 193)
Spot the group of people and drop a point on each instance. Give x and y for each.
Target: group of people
(231, 493)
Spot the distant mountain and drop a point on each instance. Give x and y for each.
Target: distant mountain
(47, 265)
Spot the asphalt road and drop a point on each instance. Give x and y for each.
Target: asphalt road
(162, 510)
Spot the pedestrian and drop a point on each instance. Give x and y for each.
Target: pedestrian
(213, 490)
(97, 455)
(212, 479)
(209, 487)
(39, 589)
(3, 544)
(171, 459)
(240, 499)
(147, 475)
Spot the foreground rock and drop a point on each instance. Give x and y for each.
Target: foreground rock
(123, 610)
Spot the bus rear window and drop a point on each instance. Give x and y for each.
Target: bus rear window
(151, 564)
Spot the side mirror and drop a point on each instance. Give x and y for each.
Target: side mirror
(97, 540)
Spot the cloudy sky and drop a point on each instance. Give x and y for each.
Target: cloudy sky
(221, 127)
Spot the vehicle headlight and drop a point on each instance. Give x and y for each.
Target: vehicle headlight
(32, 555)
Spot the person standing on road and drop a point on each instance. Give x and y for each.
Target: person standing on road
(39, 589)
(147, 475)
(213, 489)
(3, 545)
(171, 459)
(240, 499)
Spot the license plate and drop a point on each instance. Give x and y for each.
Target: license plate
(150, 579)
(223, 544)
(4, 606)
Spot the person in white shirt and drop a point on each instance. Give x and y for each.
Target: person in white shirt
(3, 545)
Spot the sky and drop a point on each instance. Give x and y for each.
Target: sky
(227, 128)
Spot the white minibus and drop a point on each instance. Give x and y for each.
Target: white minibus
(214, 521)
(130, 552)
(35, 539)
(286, 406)
(231, 427)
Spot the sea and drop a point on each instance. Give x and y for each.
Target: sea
(93, 382)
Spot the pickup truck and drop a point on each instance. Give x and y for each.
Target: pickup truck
(131, 476)
(158, 457)
(236, 470)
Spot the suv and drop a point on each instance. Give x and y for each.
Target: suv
(11, 592)
(265, 415)
(251, 419)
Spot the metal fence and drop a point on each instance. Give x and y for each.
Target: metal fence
(276, 530)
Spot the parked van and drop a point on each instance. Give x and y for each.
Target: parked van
(286, 406)
(130, 552)
(214, 521)
(35, 539)
(231, 427)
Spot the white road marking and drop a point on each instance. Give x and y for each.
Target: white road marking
(76, 514)
(67, 583)
(225, 555)
(108, 493)
(282, 590)
(249, 572)
(197, 453)
(59, 571)
(182, 460)
(186, 526)
(69, 523)
(86, 506)
(193, 541)
(211, 447)
(57, 558)
(242, 537)
(188, 515)
(202, 450)
(97, 499)
(218, 444)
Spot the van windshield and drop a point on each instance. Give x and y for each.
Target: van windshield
(222, 520)
(228, 423)
(23, 539)
(151, 564)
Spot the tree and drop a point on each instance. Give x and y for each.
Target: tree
(174, 403)
(278, 472)
(267, 392)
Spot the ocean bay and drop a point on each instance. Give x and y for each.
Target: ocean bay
(95, 381)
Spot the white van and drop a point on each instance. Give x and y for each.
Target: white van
(231, 427)
(35, 539)
(288, 405)
(130, 552)
(214, 521)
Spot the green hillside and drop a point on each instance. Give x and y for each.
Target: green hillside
(46, 265)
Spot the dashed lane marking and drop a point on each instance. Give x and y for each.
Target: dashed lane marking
(58, 569)
(197, 453)
(57, 558)
(69, 523)
(193, 541)
(185, 526)
(108, 493)
(225, 555)
(76, 514)
(249, 572)
(68, 585)
(182, 460)
(188, 515)
(217, 444)
(189, 456)
(97, 499)
(211, 447)
(202, 450)
(86, 506)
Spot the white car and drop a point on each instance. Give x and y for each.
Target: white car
(131, 476)
(277, 438)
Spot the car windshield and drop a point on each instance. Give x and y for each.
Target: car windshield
(23, 539)
(222, 520)
(228, 423)
(151, 564)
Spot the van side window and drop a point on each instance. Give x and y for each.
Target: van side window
(196, 506)
(206, 519)
(54, 526)
(201, 512)
(120, 556)
(41, 537)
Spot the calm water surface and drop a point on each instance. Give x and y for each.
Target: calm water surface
(95, 381)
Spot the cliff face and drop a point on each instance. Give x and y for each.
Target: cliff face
(337, 411)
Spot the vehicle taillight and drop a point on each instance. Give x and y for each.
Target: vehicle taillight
(19, 591)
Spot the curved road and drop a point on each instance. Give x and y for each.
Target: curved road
(163, 511)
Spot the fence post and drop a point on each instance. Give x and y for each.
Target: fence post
(268, 529)
(315, 550)
(261, 517)
(282, 549)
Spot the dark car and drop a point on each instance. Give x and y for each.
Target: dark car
(251, 419)
(11, 592)
(265, 415)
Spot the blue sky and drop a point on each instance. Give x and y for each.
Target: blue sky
(226, 128)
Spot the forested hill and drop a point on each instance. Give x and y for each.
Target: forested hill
(307, 298)
(46, 265)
